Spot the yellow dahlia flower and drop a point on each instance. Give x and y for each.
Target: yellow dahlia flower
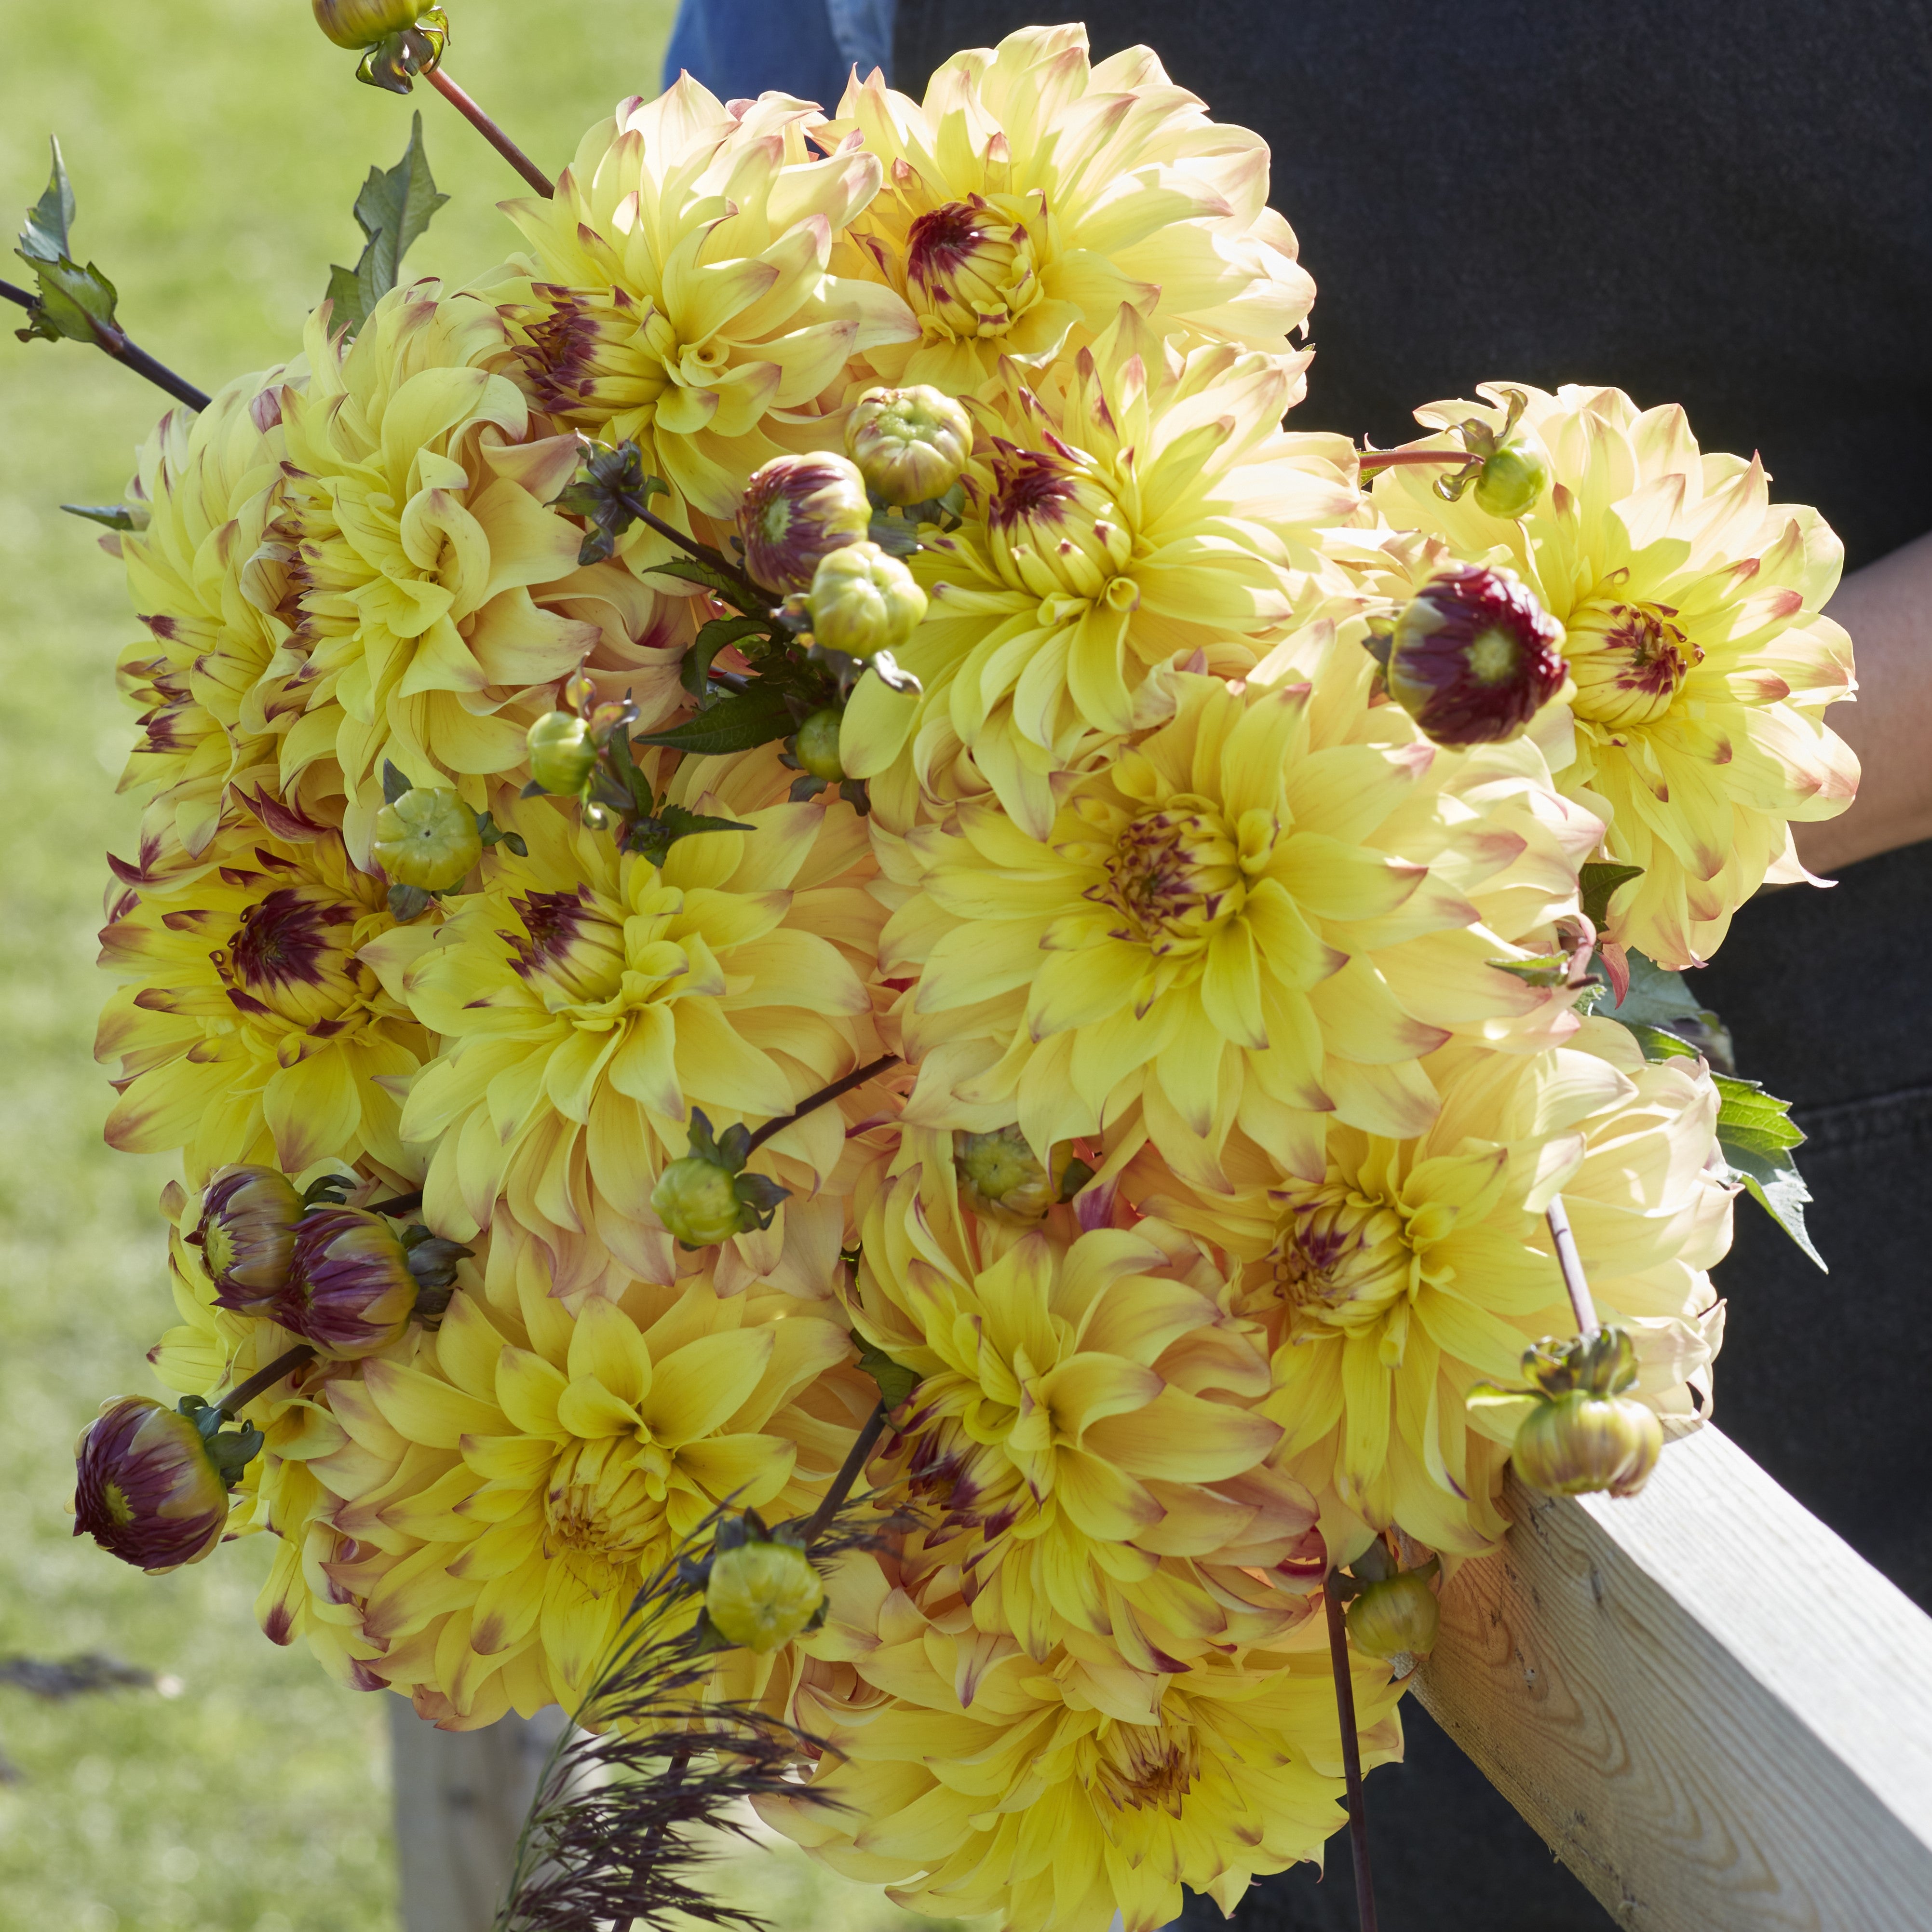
(1083, 1415)
(969, 1778)
(1417, 1267)
(1701, 663)
(536, 1464)
(679, 295)
(587, 1001)
(412, 515)
(205, 589)
(1032, 193)
(210, 1350)
(248, 1030)
(1140, 506)
(1252, 917)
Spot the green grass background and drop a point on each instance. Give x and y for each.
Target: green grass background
(215, 147)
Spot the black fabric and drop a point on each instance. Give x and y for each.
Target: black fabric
(1728, 206)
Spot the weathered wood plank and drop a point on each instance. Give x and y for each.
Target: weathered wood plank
(1717, 1714)
(460, 1801)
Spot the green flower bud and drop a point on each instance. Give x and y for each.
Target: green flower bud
(247, 1233)
(1580, 1443)
(911, 444)
(1397, 1617)
(762, 1595)
(698, 1201)
(863, 600)
(1514, 478)
(1001, 1177)
(363, 23)
(797, 510)
(560, 752)
(428, 838)
(817, 752)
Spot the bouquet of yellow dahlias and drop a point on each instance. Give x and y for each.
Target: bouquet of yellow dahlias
(904, 1051)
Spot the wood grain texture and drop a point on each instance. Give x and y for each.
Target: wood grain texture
(460, 1801)
(1717, 1715)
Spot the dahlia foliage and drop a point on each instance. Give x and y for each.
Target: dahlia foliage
(800, 802)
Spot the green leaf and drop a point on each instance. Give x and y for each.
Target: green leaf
(695, 570)
(1600, 882)
(895, 1381)
(1660, 1008)
(395, 781)
(408, 902)
(393, 210)
(1755, 1134)
(736, 724)
(115, 516)
(718, 634)
(44, 237)
(656, 836)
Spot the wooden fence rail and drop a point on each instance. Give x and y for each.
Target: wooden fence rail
(1717, 1715)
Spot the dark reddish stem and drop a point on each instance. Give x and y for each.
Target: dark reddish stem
(237, 1400)
(752, 599)
(1351, 1759)
(812, 1102)
(848, 1474)
(112, 341)
(471, 112)
(1381, 459)
(1582, 1304)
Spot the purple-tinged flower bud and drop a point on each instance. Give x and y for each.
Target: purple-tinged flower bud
(910, 444)
(1397, 1617)
(1475, 657)
(1586, 1433)
(350, 1289)
(863, 602)
(146, 1488)
(247, 1234)
(797, 510)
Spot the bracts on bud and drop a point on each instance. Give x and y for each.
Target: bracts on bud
(705, 1196)
(1582, 1431)
(1473, 657)
(911, 445)
(354, 1282)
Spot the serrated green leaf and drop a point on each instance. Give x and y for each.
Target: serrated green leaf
(737, 724)
(115, 516)
(395, 208)
(1748, 1117)
(1598, 884)
(1775, 1184)
(1659, 1044)
(654, 836)
(43, 237)
(695, 570)
(718, 634)
(1661, 1002)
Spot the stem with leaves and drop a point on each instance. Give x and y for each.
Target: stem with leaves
(1571, 1263)
(113, 341)
(1352, 1760)
(752, 601)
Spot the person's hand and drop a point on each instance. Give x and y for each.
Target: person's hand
(1887, 607)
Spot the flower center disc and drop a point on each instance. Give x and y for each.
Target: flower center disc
(1175, 873)
(1629, 661)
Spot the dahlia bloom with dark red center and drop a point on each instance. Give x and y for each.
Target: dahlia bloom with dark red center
(145, 1487)
(1474, 658)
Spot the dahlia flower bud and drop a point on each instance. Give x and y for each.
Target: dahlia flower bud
(427, 838)
(910, 444)
(350, 1289)
(817, 749)
(760, 1595)
(1001, 1177)
(1474, 657)
(697, 1201)
(1513, 479)
(247, 1233)
(147, 1487)
(1396, 1617)
(797, 511)
(561, 752)
(1586, 1433)
(863, 602)
(364, 23)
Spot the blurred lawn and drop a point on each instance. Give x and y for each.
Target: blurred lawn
(215, 147)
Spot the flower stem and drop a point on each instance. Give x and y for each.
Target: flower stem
(1381, 459)
(812, 1102)
(848, 1474)
(1352, 1761)
(237, 1400)
(1571, 1263)
(466, 105)
(752, 598)
(112, 341)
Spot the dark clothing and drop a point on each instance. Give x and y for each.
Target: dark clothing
(1728, 206)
